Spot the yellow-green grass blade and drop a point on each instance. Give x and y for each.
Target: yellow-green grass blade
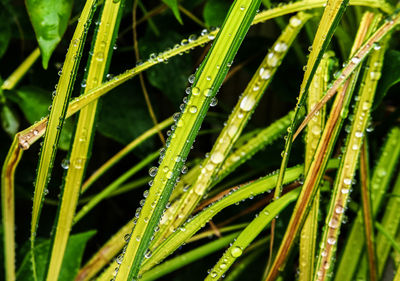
(348, 166)
(114, 185)
(17, 75)
(330, 19)
(57, 115)
(8, 208)
(235, 159)
(123, 152)
(234, 126)
(318, 165)
(207, 81)
(27, 138)
(183, 234)
(187, 258)
(308, 236)
(102, 50)
(381, 178)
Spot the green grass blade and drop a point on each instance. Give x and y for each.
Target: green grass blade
(102, 50)
(209, 78)
(27, 138)
(381, 177)
(308, 236)
(57, 114)
(318, 165)
(187, 258)
(232, 130)
(347, 168)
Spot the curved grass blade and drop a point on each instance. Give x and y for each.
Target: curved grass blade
(114, 185)
(347, 167)
(27, 138)
(123, 152)
(79, 154)
(57, 114)
(208, 79)
(8, 209)
(380, 181)
(308, 236)
(232, 130)
(238, 157)
(318, 165)
(182, 234)
(187, 258)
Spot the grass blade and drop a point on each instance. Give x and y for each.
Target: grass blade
(379, 183)
(83, 135)
(318, 165)
(347, 167)
(231, 132)
(209, 77)
(308, 236)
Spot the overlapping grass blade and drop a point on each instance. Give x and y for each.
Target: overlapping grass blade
(79, 154)
(317, 168)
(308, 236)
(348, 166)
(232, 130)
(57, 115)
(235, 159)
(381, 177)
(207, 81)
(27, 138)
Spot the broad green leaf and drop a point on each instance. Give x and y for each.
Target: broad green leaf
(215, 11)
(9, 119)
(390, 75)
(173, 4)
(50, 20)
(71, 263)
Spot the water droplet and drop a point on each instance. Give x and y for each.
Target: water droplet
(153, 171)
(247, 103)
(169, 175)
(191, 78)
(236, 252)
(232, 130)
(100, 56)
(148, 254)
(127, 237)
(195, 91)
(213, 102)
(359, 134)
(294, 21)
(347, 181)
(339, 209)
(355, 60)
(265, 73)
(217, 157)
(213, 274)
(374, 75)
(272, 59)
(207, 92)
(331, 241)
(193, 109)
(280, 47)
(333, 223)
(242, 8)
(65, 164)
